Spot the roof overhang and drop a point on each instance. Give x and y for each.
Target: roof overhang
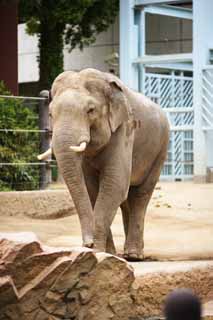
(148, 2)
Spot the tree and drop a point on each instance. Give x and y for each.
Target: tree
(59, 22)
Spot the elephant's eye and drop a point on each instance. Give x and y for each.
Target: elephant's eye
(91, 110)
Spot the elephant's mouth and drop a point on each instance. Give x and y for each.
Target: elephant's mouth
(91, 145)
(78, 148)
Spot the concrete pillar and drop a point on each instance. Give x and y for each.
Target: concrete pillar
(128, 44)
(202, 42)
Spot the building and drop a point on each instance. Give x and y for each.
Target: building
(101, 55)
(165, 51)
(178, 75)
(8, 36)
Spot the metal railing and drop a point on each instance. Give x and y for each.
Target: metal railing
(37, 134)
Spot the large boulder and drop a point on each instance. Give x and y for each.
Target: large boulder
(42, 283)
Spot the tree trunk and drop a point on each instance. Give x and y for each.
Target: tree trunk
(51, 61)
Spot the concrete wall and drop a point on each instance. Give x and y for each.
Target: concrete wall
(93, 56)
(164, 35)
(27, 56)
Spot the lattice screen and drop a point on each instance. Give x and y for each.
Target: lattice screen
(174, 93)
(207, 101)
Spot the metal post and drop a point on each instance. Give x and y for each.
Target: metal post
(45, 138)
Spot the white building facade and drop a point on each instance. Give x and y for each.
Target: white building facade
(163, 49)
(180, 80)
(98, 55)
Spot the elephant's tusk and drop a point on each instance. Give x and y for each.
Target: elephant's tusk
(80, 148)
(45, 155)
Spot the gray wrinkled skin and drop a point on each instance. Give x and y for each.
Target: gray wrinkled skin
(127, 136)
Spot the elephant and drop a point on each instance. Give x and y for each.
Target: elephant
(110, 143)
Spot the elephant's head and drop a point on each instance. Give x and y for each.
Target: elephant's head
(87, 108)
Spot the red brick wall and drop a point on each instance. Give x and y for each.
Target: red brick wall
(8, 45)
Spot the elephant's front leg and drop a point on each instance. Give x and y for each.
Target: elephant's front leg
(92, 182)
(104, 213)
(113, 188)
(103, 217)
(110, 197)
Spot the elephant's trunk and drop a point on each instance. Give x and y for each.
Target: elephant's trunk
(70, 166)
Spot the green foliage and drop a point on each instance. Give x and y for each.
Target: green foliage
(73, 22)
(84, 18)
(17, 147)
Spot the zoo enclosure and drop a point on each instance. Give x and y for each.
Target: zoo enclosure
(23, 171)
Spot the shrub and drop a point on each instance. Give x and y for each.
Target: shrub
(17, 147)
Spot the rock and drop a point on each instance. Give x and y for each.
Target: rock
(45, 204)
(37, 283)
(40, 283)
(14, 253)
(8, 292)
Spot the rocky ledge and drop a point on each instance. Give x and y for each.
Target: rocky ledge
(42, 283)
(45, 204)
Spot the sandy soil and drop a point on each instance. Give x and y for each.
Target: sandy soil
(179, 224)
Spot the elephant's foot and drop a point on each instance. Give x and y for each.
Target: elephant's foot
(105, 246)
(133, 255)
(88, 242)
(109, 249)
(99, 248)
(110, 246)
(88, 245)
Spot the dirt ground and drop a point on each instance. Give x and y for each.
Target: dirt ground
(179, 224)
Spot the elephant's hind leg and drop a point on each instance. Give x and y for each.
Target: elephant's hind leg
(125, 216)
(138, 199)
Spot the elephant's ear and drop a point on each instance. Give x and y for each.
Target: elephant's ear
(119, 107)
